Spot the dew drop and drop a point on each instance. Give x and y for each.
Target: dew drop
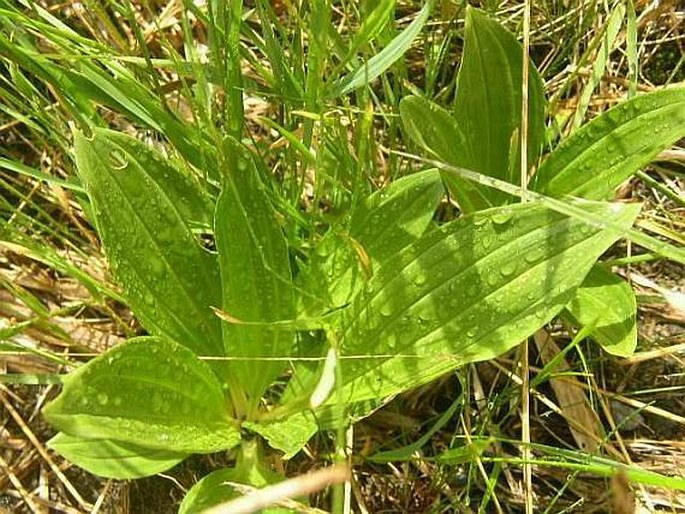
(102, 398)
(586, 229)
(615, 208)
(117, 159)
(507, 269)
(471, 333)
(156, 267)
(502, 217)
(157, 401)
(533, 255)
(386, 309)
(149, 299)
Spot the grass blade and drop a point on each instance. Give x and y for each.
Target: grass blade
(386, 57)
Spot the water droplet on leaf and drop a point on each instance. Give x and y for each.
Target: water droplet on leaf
(507, 269)
(502, 217)
(386, 309)
(117, 159)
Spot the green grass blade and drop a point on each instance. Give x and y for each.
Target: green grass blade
(631, 49)
(28, 171)
(386, 57)
(383, 224)
(608, 38)
(566, 207)
(371, 26)
(408, 452)
(45, 254)
(574, 460)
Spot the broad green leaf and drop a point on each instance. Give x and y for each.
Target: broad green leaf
(147, 392)
(386, 57)
(255, 278)
(602, 154)
(380, 226)
(384, 223)
(608, 302)
(468, 292)
(213, 490)
(435, 130)
(114, 459)
(176, 184)
(306, 374)
(167, 278)
(396, 216)
(488, 103)
(288, 435)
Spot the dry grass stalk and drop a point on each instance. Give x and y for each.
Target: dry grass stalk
(283, 492)
(575, 407)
